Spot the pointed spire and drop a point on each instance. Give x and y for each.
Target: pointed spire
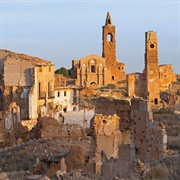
(108, 19)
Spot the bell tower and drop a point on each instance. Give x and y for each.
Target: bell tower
(151, 67)
(109, 42)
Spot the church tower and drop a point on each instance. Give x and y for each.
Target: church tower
(109, 42)
(151, 67)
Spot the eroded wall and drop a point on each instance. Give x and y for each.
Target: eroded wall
(140, 136)
(166, 76)
(136, 85)
(174, 96)
(12, 117)
(105, 140)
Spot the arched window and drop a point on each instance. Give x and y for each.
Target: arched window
(93, 69)
(109, 37)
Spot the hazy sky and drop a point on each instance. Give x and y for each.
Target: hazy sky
(60, 31)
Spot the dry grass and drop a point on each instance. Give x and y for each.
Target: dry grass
(157, 172)
(165, 169)
(169, 119)
(14, 161)
(174, 142)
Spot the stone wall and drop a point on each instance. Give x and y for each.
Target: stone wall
(147, 136)
(17, 72)
(105, 139)
(166, 76)
(59, 80)
(174, 96)
(12, 117)
(135, 85)
(51, 128)
(111, 106)
(139, 136)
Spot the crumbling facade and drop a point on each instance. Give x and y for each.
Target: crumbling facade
(27, 81)
(166, 76)
(66, 98)
(174, 96)
(106, 139)
(96, 71)
(137, 137)
(136, 85)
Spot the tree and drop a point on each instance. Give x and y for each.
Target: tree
(62, 71)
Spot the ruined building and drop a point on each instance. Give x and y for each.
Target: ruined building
(66, 96)
(96, 71)
(154, 78)
(124, 129)
(26, 84)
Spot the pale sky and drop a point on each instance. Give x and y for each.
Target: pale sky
(60, 31)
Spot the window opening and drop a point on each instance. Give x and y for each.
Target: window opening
(65, 109)
(109, 37)
(64, 93)
(155, 101)
(93, 69)
(40, 69)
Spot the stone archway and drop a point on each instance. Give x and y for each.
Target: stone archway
(93, 85)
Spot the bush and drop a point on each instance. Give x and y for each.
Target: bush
(62, 71)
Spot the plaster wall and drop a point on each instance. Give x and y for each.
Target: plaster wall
(81, 117)
(67, 97)
(33, 96)
(17, 72)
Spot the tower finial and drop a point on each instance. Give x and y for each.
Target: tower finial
(108, 19)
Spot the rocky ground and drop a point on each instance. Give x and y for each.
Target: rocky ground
(23, 160)
(22, 157)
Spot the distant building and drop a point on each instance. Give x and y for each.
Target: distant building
(96, 71)
(154, 78)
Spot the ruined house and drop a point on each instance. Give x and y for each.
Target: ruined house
(125, 129)
(27, 83)
(65, 96)
(96, 71)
